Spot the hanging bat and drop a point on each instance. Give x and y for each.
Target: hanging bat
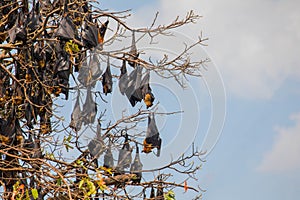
(90, 33)
(33, 18)
(76, 116)
(89, 110)
(89, 73)
(137, 166)
(160, 189)
(18, 31)
(133, 54)
(66, 29)
(123, 79)
(133, 91)
(63, 70)
(152, 139)
(124, 159)
(107, 79)
(108, 157)
(101, 32)
(148, 97)
(97, 145)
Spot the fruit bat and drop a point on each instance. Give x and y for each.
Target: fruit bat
(124, 159)
(133, 91)
(66, 29)
(101, 32)
(133, 54)
(89, 110)
(137, 166)
(97, 145)
(33, 18)
(90, 33)
(18, 31)
(108, 157)
(76, 116)
(160, 191)
(123, 79)
(9, 128)
(63, 70)
(107, 79)
(89, 73)
(152, 139)
(148, 97)
(45, 122)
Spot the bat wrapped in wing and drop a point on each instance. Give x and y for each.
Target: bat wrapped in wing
(152, 139)
(148, 97)
(76, 116)
(89, 73)
(133, 91)
(66, 29)
(97, 146)
(90, 32)
(89, 110)
(124, 159)
(133, 53)
(108, 158)
(18, 31)
(123, 79)
(137, 166)
(107, 79)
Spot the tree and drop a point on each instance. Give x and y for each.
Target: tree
(51, 49)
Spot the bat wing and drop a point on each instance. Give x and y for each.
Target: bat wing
(90, 35)
(66, 29)
(133, 92)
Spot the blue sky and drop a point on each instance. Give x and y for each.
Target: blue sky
(255, 45)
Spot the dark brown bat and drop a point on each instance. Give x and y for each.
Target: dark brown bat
(90, 32)
(152, 139)
(89, 110)
(101, 32)
(33, 18)
(89, 73)
(107, 79)
(63, 70)
(18, 31)
(160, 189)
(133, 53)
(124, 159)
(76, 116)
(66, 29)
(97, 145)
(123, 79)
(148, 97)
(108, 157)
(133, 91)
(137, 166)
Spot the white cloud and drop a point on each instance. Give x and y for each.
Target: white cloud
(255, 44)
(284, 155)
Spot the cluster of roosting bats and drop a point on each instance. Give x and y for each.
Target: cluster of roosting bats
(41, 63)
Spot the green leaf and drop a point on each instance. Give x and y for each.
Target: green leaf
(34, 193)
(169, 195)
(59, 181)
